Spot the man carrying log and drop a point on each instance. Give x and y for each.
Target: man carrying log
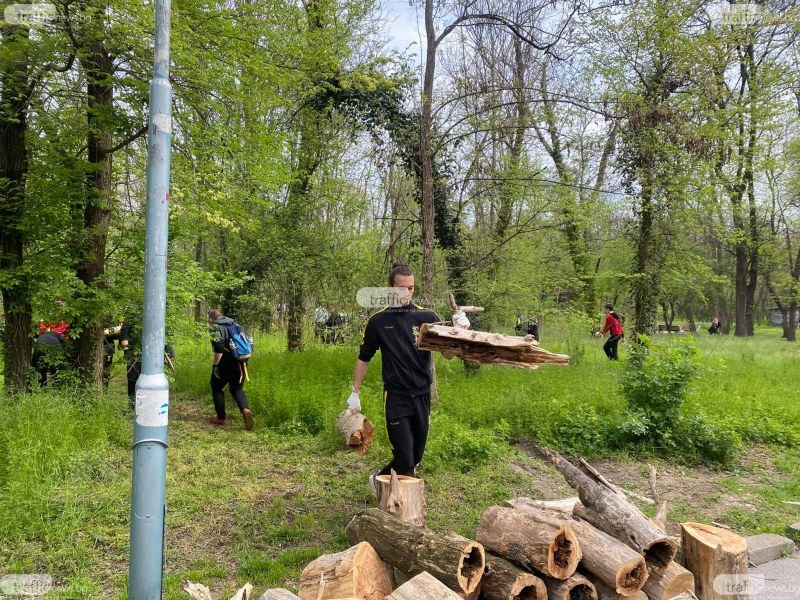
(406, 373)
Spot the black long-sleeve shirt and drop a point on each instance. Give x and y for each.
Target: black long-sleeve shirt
(406, 370)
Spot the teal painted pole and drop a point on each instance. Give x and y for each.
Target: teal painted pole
(148, 488)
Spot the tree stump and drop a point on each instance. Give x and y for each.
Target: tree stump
(713, 551)
(577, 587)
(544, 542)
(402, 497)
(452, 559)
(356, 429)
(504, 581)
(355, 574)
(423, 587)
(668, 582)
(278, 594)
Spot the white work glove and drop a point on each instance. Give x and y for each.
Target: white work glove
(354, 402)
(460, 319)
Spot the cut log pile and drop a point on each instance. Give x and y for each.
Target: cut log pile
(598, 546)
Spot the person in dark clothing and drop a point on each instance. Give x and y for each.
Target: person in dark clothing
(48, 355)
(110, 337)
(715, 325)
(406, 374)
(613, 326)
(226, 370)
(130, 340)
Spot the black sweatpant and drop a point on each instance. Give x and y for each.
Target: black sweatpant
(610, 347)
(407, 424)
(231, 373)
(134, 370)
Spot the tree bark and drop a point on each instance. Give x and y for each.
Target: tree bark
(606, 593)
(504, 581)
(576, 587)
(423, 587)
(669, 582)
(357, 574)
(18, 313)
(453, 559)
(542, 541)
(402, 497)
(427, 213)
(712, 551)
(356, 429)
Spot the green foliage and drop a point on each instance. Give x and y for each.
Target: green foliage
(462, 448)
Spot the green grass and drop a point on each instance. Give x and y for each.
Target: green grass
(257, 506)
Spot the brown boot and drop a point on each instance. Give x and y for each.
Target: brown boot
(248, 418)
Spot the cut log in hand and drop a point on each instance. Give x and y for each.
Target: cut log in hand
(356, 574)
(423, 587)
(452, 559)
(713, 551)
(577, 587)
(278, 594)
(487, 348)
(356, 429)
(609, 511)
(504, 581)
(402, 497)
(543, 542)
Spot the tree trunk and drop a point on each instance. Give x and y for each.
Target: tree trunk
(356, 429)
(542, 541)
(295, 311)
(791, 322)
(503, 581)
(423, 587)
(453, 559)
(576, 587)
(604, 508)
(357, 573)
(426, 154)
(606, 593)
(97, 212)
(16, 294)
(668, 583)
(278, 594)
(713, 551)
(402, 497)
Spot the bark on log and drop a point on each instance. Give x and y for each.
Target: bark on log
(668, 582)
(278, 594)
(566, 506)
(486, 348)
(452, 559)
(423, 587)
(355, 574)
(356, 429)
(712, 551)
(402, 497)
(607, 510)
(545, 543)
(606, 593)
(577, 587)
(504, 581)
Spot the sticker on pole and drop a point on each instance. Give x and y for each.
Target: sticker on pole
(152, 407)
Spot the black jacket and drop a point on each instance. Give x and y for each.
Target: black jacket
(406, 370)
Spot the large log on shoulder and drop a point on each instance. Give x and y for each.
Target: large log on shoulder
(402, 497)
(487, 348)
(357, 574)
(609, 511)
(356, 429)
(423, 587)
(278, 594)
(577, 587)
(504, 581)
(713, 551)
(668, 583)
(454, 560)
(544, 542)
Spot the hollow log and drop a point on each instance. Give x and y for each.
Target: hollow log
(669, 582)
(486, 348)
(423, 586)
(450, 558)
(543, 542)
(611, 512)
(355, 574)
(712, 551)
(577, 587)
(356, 429)
(606, 593)
(278, 594)
(402, 497)
(504, 581)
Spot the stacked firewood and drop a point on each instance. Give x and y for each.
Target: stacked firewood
(597, 546)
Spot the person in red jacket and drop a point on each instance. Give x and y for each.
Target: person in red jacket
(614, 327)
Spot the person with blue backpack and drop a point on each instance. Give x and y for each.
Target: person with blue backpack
(231, 348)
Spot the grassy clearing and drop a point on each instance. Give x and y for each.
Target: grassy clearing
(258, 506)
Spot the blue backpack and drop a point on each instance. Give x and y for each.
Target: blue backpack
(238, 343)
